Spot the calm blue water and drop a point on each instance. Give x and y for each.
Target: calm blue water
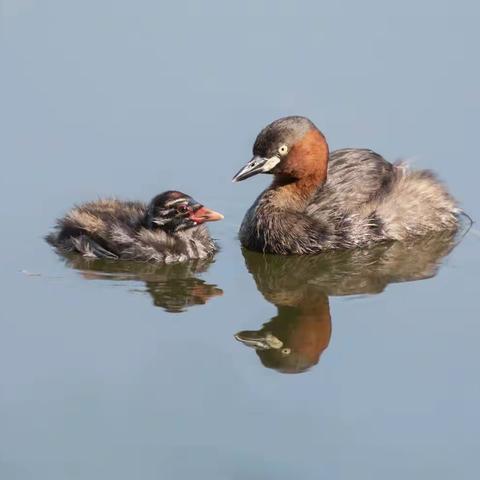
(120, 371)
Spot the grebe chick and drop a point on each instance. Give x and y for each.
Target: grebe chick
(169, 229)
(346, 199)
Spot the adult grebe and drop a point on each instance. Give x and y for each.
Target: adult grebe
(349, 198)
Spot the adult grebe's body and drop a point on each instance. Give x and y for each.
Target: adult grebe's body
(349, 198)
(169, 229)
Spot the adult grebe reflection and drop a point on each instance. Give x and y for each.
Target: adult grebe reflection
(299, 286)
(174, 287)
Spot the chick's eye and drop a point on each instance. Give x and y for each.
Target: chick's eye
(283, 149)
(182, 208)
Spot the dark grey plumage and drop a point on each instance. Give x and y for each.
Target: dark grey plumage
(134, 231)
(363, 200)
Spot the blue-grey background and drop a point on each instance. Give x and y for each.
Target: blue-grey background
(131, 98)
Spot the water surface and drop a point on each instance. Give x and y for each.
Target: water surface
(356, 365)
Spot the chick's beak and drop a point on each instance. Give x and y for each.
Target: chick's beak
(204, 214)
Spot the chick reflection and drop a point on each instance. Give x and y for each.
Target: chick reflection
(299, 286)
(173, 287)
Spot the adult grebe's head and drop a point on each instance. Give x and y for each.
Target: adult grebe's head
(291, 148)
(174, 211)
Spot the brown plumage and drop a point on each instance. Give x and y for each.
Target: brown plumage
(169, 229)
(346, 199)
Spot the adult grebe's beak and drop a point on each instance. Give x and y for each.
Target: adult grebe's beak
(204, 214)
(256, 165)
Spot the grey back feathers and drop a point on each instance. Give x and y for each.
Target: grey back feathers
(365, 200)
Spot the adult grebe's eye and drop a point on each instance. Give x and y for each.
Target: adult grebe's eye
(283, 150)
(286, 351)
